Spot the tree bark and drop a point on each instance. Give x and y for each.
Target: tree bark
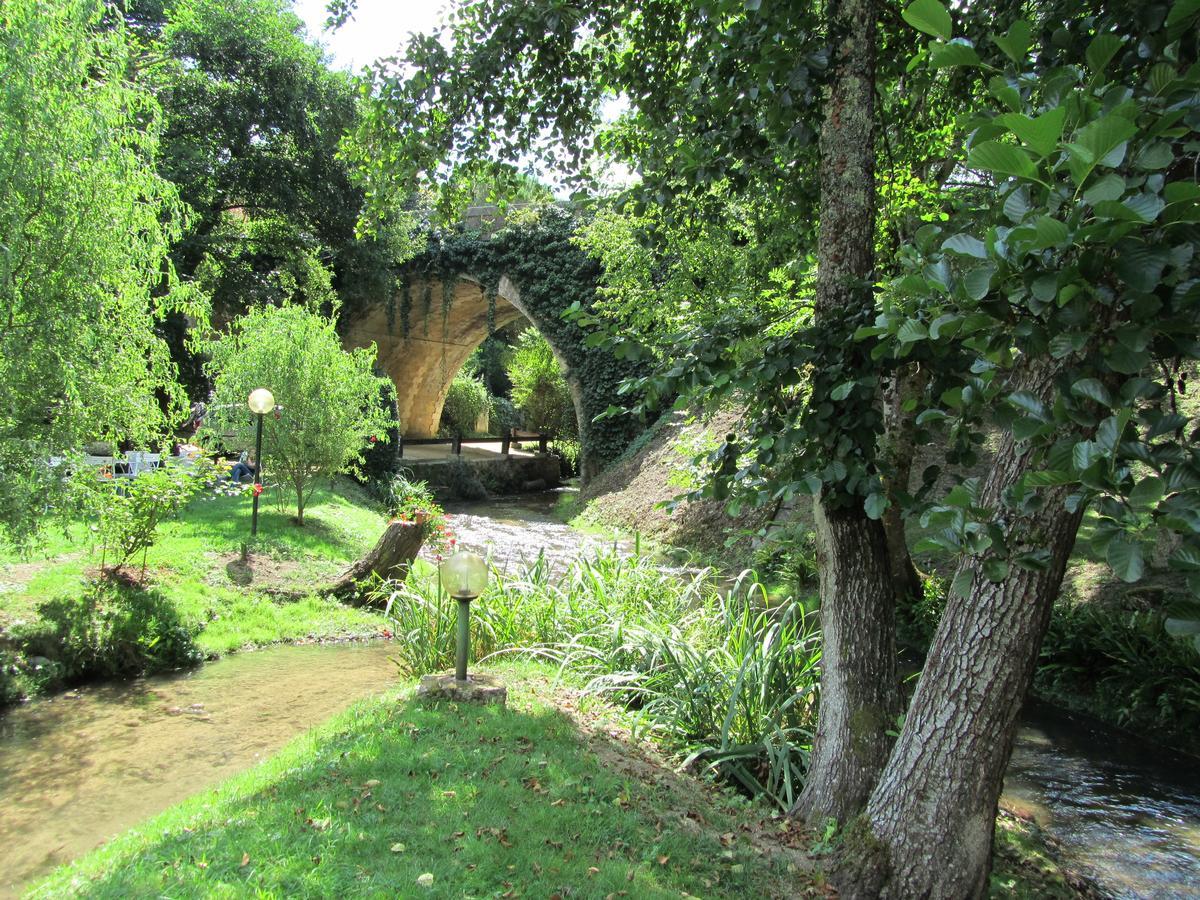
(391, 557)
(859, 691)
(932, 816)
(899, 448)
(859, 696)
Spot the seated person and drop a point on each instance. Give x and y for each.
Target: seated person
(246, 465)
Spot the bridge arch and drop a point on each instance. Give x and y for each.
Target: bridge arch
(468, 285)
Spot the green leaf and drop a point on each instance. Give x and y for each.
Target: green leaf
(1156, 156)
(956, 53)
(1110, 187)
(1128, 362)
(842, 391)
(1003, 159)
(1181, 627)
(1182, 11)
(965, 245)
(1108, 434)
(1101, 50)
(1093, 389)
(946, 323)
(1083, 455)
(1102, 142)
(1017, 205)
(931, 17)
(911, 332)
(1125, 558)
(1041, 134)
(1048, 478)
(1050, 232)
(1141, 267)
(1185, 559)
(1015, 44)
(1028, 402)
(977, 282)
(875, 505)
(1147, 493)
(995, 570)
(961, 585)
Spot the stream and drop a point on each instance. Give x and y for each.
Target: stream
(79, 768)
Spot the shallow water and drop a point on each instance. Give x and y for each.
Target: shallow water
(513, 531)
(82, 767)
(78, 769)
(1126, 812)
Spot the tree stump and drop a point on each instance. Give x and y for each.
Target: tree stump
(390, 558)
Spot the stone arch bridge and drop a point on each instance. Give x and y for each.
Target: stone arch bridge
(468, 285)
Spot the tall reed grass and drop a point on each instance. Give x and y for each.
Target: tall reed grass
(717, 675)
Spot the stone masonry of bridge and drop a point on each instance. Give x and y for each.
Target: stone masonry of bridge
(423, 364)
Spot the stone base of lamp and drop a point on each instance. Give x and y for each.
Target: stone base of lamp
(482, 689)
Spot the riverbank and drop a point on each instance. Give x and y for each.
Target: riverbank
(395, 795)
(551, 796)
(198, 598)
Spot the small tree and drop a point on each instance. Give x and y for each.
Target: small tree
(328, 397)
(539, 389)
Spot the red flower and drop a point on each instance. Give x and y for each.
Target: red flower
(371, 439)
(453, 541)
(258, 489)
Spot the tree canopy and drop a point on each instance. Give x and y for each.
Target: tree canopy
(86, 223)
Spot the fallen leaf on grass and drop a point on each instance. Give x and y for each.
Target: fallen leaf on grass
(373, 783)
(245, 859)
(592, 870)
(663, 860)
(398, 848)
(425, 880)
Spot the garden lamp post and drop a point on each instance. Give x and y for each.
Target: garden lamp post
(261, 401)
(464, 575)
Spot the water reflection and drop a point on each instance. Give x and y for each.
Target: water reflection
(80, 768)
(1125, 811)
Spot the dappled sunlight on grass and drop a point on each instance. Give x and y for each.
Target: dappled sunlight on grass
(484, 800)
(194, 565)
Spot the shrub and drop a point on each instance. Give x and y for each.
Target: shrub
(466, 401)
(128, 511)
(409, 501)
(728, 683)
(111, 630)
(381, 459)
(539, 390)
(504, 416)
(1123, 667)
(328, 398)
(568, 452)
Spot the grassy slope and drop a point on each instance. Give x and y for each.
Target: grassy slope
(548, 798)
(523, 802)
(191, 564)
(628, 493)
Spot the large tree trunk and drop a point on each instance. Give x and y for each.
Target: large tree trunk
(859, 692)
(932, 817)
(391, 557)
(859, 696)
(899, 449)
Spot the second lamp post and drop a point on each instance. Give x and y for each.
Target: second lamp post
(261, 401)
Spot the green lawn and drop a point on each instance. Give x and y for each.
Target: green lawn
(195, 567)
(488, 802)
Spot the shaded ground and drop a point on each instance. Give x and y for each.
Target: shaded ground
(398, 798)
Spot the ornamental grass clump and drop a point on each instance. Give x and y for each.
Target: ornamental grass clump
(717, 676)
